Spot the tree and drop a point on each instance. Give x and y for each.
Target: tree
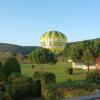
(42, 56)
(88, 58)
(76, 53)
(96, 47)
(11, 66)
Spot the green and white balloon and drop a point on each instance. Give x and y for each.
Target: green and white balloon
(54, 41)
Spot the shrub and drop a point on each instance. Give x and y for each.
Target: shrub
(47, 77)
(51, 93)
(7, 96)
(1, 97)
(37, 88)
(11, 66)
(93, 77)
(2, 87)
(1, 72)
(70, 71)
(21, 87)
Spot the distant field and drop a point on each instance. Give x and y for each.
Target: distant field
(58, 69)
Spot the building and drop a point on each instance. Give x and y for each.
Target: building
(53, 40)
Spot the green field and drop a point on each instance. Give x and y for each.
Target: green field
(59, 69)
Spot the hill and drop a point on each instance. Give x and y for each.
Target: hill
(15, 49)
(9, 49)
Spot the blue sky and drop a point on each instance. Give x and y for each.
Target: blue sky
(22, 22)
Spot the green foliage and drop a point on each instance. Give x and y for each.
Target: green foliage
(51, 92)
(24, 50)
(11, 66)
(46, 77)
(48, 89)
(7, 96)
(42, 56)
(70, 71)
(88, 58)
(93, 77)
(1, 71)
(37, 88)
(21, 87)
(75, 50)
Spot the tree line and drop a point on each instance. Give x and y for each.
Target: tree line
(82, 51)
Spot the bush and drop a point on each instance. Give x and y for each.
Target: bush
(51, 92)
(7, 96)
(1, 97)
(37, 89)
(70, 71)
(21, 87)
(93, 77)
(11, 66)
(1, 72)
(47, 77)
(2, 89)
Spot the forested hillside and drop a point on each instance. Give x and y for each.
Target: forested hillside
(9, 48)
(78, 51)
(73, 50)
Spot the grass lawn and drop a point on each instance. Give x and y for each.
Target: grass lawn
(59, 69)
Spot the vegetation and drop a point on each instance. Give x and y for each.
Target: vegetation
(70, 71)
(42, 56)
(48, 88)
(76, 50)
(11, 66)
(88, 58)
(21, 87)
(25, 50)
(8, 50)
(84, 51)
(1, 71)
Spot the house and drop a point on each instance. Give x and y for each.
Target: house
(80, 65)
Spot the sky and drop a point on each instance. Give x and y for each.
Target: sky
(22, 22)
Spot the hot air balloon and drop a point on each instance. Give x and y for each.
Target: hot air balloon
(54, 40)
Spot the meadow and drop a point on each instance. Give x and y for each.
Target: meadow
(59, 69)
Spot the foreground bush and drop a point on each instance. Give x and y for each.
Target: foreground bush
(70, 71)
(11, 66)
(1, 72)
(21, 87)
(46, 77)
(48, 88)
(51, 93)
(93, 77)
